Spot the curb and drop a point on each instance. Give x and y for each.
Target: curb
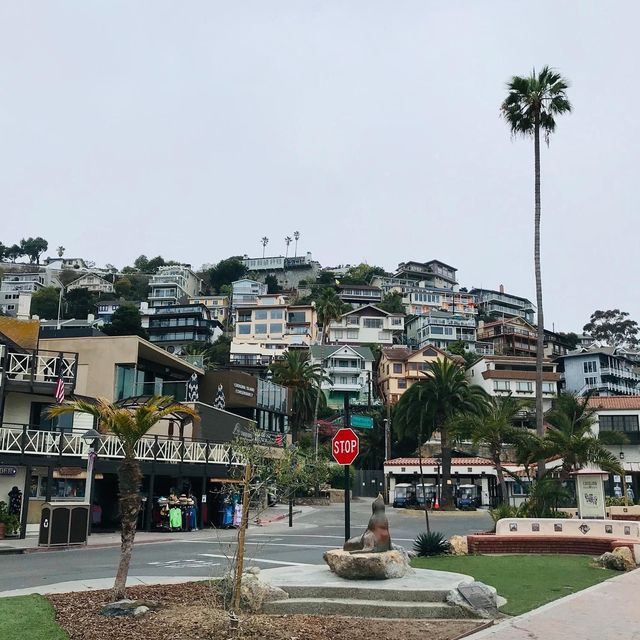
(12, 551)
(262, 521)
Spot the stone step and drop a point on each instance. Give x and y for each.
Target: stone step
(354, 592)
(366, 608)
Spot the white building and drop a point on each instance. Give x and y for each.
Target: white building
(172, 284)
(366, 325)
(349, 369)
(504, 375)
(15, 283)
(441, 329)
(288, 271)
(245, 292)
(91, 282)
(217, 305)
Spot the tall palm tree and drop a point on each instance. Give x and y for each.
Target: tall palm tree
(129, 425)
(264, 241)
(494, 428)
(287, 241)
(444, 394)
(296, 372)
(570, 435)
(296, 237)
(532, 104)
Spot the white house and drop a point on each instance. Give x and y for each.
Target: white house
(92, 282)
(366, 325)
(172, 284)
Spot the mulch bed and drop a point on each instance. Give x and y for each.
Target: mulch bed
(191, 611)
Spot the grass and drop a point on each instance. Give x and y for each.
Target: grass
(526, 581)
(29, 617)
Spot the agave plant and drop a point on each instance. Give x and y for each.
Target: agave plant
(431, 543)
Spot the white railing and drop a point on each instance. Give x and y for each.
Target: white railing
(44, 366)
(21, 440)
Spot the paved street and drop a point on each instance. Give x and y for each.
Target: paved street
(205, 553)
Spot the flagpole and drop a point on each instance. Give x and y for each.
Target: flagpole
(59, 306)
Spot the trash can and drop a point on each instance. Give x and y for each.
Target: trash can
(63, 524)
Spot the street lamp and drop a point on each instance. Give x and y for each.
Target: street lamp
(92, 439)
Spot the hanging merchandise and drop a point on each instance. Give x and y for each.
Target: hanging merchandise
(227, 514)
(15, 501)
(175, 518)
(237, 514)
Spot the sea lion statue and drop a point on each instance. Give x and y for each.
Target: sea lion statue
(376, 538)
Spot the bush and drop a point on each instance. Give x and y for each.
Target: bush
(11, 522)
(618, 502)
(503, 511)
(336, 476)
(431, 544)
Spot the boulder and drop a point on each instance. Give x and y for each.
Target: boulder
(477, 597)
(626, 554)
(612, 561)
(367, 566)
(459, 545)
(253, 592)
(128, 607)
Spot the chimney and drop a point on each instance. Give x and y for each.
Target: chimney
(501, 288)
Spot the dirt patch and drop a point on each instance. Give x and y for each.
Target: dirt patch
(192, 612)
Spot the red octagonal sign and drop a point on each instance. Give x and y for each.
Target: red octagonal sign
(345, 446)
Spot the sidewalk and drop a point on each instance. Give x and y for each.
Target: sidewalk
(271, 516)
(606, 610)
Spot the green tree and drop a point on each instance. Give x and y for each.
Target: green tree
(126, 321)
(67, 276)
(129, 425)
(272, 284)
(3, 251)
(459, 348)
(362, 274)
(571, 339)
(226, 272)
(219, 351)
(439, 398)
(44, 303)
(570, 435)
(494, 428)
(79, 303)
(123, 288)
(33, 248)
(532, 104)
(296, 372)
(14, 252)
(392, 302)
(614, 327)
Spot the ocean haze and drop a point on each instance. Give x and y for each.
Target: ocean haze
(373, 128)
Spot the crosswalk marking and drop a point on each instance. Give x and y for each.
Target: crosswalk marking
(247, 560)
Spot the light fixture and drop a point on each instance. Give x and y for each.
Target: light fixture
(622, 455)
(91, 436)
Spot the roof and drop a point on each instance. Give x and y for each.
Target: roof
(359, 286)
(23, 333)
(503, 321)
(614, 402)
(501, 293)
(404, 353)
(371, 306)
(326, 351)
(432, 462)
(519, 375)
(88, 274)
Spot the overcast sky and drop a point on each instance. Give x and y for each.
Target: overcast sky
(193, 129)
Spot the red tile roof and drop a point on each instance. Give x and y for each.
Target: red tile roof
(614, 402)
(432, 462)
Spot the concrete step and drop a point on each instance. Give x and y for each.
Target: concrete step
(353, 592)
(366, 608)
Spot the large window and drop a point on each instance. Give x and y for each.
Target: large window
(627, 424)
(275, 327)
(525, 387)
(277, 314)
(397, 367)
(590, 366)
(352, 335)
(502, 385)
(260, 329)
(548, 387)
(373, 323)
(244, 329)
(353, 321)
(402, 383)
(260, 314)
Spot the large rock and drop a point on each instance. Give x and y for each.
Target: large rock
(367, 566)
(459, 545)
(254, 593)
(627, 556)
(128, 607)
(612, 561)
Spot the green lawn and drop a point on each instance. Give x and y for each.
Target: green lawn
(28, 618)
(526, 581)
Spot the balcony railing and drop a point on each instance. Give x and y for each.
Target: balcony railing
(41, 366)
(23, 440)
(619, 373)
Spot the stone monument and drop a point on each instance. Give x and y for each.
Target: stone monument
(369, 556)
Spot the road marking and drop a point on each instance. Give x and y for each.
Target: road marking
(184, 564)
(311, 535)
(290, 564)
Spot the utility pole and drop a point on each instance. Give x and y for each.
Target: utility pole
(347, 475)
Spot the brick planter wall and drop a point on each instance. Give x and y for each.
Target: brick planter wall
(543, 544)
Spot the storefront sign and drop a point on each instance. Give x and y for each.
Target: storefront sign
(8, 471)
(591, 502)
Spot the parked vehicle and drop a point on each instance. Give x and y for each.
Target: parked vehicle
(468, 496)
(427, 496)
(404, 495)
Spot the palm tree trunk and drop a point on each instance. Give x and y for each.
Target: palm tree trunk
(501, 481)
(445, 479)
(325, 331)
(424, 495)
(129, 478)
(536, 259)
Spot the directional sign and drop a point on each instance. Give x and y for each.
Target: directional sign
(361, 422)
(345, 446)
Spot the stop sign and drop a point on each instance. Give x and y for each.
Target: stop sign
(345, 446)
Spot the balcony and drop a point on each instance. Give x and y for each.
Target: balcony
(38, 371)
(240, 360)
(24, 441)
(619, 373)
(608, 387)
(333, 368)
(339, 386)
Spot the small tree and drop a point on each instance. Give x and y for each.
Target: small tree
(126, 321)
(44, 303)
(33, 248)
(129, 425)
(614, 327)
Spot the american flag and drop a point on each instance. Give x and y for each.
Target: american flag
(278, 440)
(59, 392)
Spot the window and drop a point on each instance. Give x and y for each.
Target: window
(396, 322)
(260, 329)
(438, 330)
(448, 331)
(593, 380)
(41, 420)
(548, 387)
(343, 379)
(502, 385)
(337, 335)
(244, 329)
(277, 314)
(373, 323)
(402, 383)
(260, 314)
(526, 387)
(590, 366)
(628, 424)
(397, 367)
(297, 317)
(521, 488)
(275, 328)
(244, 316)
(352, 335)
(353, 321)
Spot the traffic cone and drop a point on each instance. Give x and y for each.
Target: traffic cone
(436, 504)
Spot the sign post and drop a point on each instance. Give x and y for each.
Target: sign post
(345, 447)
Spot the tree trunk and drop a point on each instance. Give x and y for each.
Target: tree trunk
(316, 435)
(536, 259)
(424, 495)
(501, 481)
(129, 479)
(446, 502)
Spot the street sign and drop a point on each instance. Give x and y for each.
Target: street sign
(361, 422)
(345, 446)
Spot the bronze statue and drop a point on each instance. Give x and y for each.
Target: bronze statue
(376, 538)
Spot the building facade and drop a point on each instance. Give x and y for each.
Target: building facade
(173, 284)
(441, 329)
(16, 283)
(358, 295)
(434, 274)
(217, 305)
(245, 292)
(91, 282)
(366, 325)
(288, 271)
(500, 304)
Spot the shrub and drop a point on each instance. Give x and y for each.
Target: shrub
(503, 511)
(431, 544)
(11, 522)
